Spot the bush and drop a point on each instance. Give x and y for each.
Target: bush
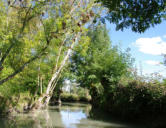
(85, 99)
(69, 97)
(136, 99)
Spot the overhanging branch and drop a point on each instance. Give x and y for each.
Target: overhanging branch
(23, 66)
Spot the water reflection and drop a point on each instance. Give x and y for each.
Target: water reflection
(72, 114)
(71, 118)
(67, 116)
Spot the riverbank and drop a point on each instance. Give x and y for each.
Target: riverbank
(136, 101)
(15, 103)
(69, 97)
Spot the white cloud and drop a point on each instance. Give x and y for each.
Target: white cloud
(161, 72)
(153, 46)
(152, 62)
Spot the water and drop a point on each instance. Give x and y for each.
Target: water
(69, 115)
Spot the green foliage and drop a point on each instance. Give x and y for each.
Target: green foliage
(102, 62)
(102, 67)
(35, 36)
(97, 91)
(75, 94)
(69, 97)
(139, 15)
(137, 98)
(108, 73)
(32, 34)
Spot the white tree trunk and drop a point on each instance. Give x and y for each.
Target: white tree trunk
(41, 85)
(56, 74)
(44, 100)
(52, 83)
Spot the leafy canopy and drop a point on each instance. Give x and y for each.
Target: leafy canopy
(137, 14)
(101, 63)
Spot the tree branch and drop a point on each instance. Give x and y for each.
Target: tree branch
(12, 44)
(31, 60)
(6, 54)
(24, 65)
(26, 20)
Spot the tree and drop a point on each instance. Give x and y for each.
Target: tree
(49, 31)
(137, 14)
(25, 41)
(31, 20)
(58, 29)
(76, 15)
(24, 36)
(101, 66)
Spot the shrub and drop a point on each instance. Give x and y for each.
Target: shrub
(136, 99)
(69, 97)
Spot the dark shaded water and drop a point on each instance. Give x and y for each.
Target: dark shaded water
(69, 115)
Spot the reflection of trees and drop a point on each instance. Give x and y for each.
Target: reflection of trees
(55, 119)
(37, 119)
(50, 117)
(97, 114)
(76, 107)
(18, 122)
(109, 121)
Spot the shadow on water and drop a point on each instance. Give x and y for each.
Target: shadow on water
(69, 115)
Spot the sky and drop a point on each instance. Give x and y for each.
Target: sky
(147, 48)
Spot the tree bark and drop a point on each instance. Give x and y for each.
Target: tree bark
(41, 85)
(44, 101)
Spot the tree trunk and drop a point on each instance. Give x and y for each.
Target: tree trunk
(41, 85)
(44, 100)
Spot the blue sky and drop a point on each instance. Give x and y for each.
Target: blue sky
(146, 48)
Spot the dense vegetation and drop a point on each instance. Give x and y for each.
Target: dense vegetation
(101, 65)
(113, 82)
(37, 39)
(137, 14)
(44, 43)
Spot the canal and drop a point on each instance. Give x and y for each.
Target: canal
(69, 115)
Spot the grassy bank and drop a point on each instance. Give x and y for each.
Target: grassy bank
(71, 97)
(15, 103)
(67, 97)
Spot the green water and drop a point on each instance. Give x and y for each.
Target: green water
(69, 115)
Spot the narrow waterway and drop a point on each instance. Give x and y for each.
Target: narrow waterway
(69, 115)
